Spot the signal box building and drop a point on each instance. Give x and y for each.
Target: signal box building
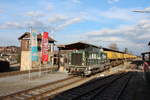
(26, 52)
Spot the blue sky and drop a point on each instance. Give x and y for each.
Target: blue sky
(100, 22)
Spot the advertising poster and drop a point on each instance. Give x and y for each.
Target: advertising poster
(45, 46)
(34, 47)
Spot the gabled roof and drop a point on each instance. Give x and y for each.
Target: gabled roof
(76, 45)
(39, 36)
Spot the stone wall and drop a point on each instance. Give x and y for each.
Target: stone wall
(26, 61)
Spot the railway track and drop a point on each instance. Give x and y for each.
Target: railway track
(46, 91)
(107, 88)
(7, 74)
(41, 91)
(112, 90)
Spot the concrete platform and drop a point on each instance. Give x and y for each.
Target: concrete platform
(142, 91)
(17, 83)
(137, 89)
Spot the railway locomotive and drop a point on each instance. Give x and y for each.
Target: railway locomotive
(86, 59)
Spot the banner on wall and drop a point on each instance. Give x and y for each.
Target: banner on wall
(45, 46)
(34, 47)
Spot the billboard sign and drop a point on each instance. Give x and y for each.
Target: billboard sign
(45, 46)
(34, 47)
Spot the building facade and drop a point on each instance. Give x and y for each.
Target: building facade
(10, 54)
(26, 63)
(9, 50)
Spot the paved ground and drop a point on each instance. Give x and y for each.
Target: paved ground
(21, 82)
(16, 83)
(138, 89)
(138, 86)
(142, 90)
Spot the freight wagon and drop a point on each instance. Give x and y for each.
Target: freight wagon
(117, 57)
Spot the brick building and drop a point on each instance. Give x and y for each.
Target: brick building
(10, 53)
(26, 53)
(9, 49)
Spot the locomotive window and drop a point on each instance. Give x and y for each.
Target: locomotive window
(76, 59)
(90, 56)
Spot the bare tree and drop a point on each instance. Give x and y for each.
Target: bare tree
(126, 50)
(113, 46)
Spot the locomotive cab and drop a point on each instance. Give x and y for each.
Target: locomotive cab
(86, 61)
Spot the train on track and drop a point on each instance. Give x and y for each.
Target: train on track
(86, 59)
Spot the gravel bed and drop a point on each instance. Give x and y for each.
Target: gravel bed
(85, 90)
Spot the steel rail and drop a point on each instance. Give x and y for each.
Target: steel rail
(82, 87)
(7, 74)
(123, 87)
(25, 92)
(107, 85)
(99, 88)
